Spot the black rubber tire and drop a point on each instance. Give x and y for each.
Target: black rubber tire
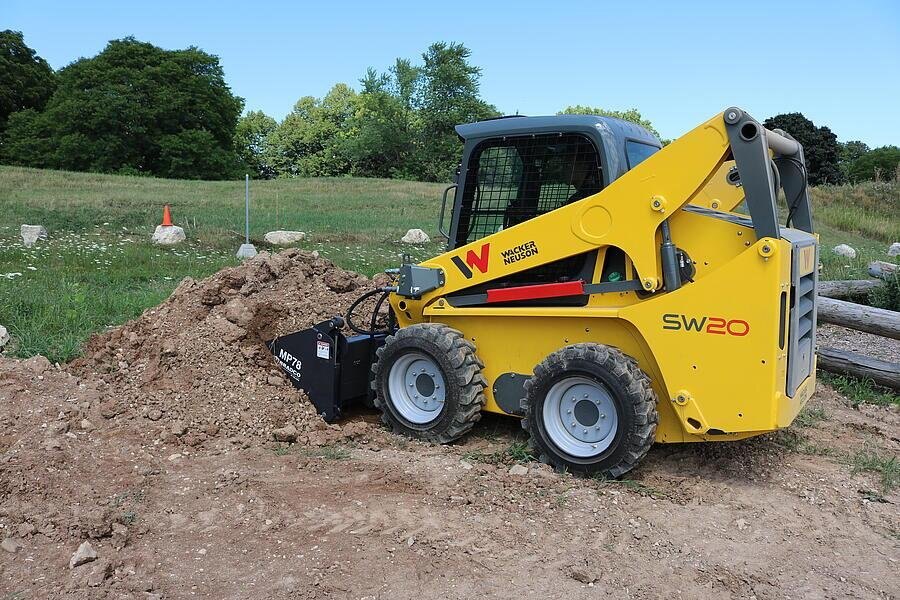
(459, 365)
(632, 395)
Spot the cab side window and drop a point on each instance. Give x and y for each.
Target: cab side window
(512, 180)
(637, 152)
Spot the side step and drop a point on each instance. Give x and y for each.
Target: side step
(333, 370)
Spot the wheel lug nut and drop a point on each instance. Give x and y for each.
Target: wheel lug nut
(602, 416)
(585, 431)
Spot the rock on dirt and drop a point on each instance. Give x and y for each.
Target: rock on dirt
(415, 236)
(84, 554)
(168, 235)
(844, 250)
(518, 470)
(31, 234)
(894, 249)
(11, 545)
(286, 434)
(284, 238)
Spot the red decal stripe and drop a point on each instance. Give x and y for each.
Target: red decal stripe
(532, 292)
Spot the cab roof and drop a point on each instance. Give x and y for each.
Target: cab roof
(516, 125)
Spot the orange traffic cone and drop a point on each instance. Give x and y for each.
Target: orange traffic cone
(167, 217)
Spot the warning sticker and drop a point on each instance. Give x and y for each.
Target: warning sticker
(323, 349)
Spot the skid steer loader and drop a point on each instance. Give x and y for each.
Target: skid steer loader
(608, 291)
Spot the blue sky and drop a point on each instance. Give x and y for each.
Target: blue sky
(677, 62)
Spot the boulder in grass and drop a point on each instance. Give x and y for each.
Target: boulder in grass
(168, 235)
(415, 236)
(32, 233)
(894, 249)
(844, 250)
(4, 337)
(284, 238)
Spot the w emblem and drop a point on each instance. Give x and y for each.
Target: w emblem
(478, 261)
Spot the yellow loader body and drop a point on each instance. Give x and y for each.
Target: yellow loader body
(715, 350)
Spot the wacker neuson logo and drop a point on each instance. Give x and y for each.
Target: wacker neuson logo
(480, 261)
(520, 252)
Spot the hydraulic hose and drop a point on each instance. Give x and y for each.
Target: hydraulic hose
(385, 292)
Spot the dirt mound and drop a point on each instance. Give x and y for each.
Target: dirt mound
(197, 364)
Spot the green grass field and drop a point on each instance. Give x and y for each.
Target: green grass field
(99, 269)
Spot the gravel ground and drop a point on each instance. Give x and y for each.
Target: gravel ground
(147, 470)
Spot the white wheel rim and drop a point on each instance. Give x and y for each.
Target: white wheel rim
(417, 388)
(580, 416)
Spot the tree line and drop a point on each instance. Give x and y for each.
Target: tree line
(135, 108)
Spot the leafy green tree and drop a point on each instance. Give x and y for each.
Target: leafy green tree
(135, 108)
(251, 142)
(850, 151)
(385, 123)
(632, 115)
(312, 140)
(26, 80)
(878, 164)
(447, 94)
(820, 147)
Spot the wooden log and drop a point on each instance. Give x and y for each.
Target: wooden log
(844, 290)
(882, 269)
(842, 362)
(879, 321)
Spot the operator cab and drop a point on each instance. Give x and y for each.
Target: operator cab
(516, 168)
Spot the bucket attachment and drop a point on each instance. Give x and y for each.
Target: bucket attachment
(334, 370)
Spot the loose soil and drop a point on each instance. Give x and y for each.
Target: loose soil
(157, 448)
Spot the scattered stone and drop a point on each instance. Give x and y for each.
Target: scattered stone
(286, 434)
(239, 312)
(518, 470)
(154, 414)
(175, 456)
(178, 428)
(893, 250)
(168, 235)
(4, 337)
(86, 425)
(52, 443)
(31, 234)
(119, 536)
(83, 555)
(11, 545)
(415, 236)
(100, 572)
(109, 409)
(284, 238)
(26, 529)
(581, 574)
(341, 281)
(844, 250)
